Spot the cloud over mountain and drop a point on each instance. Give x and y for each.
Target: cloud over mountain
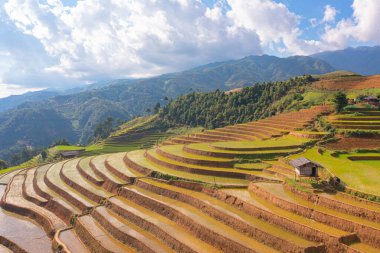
(53, 43)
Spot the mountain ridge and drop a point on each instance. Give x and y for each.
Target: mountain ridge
(363, 60)
(123, 99)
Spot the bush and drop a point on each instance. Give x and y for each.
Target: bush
(338, 153)
(360, 133)
(340, 100)
(3, 164)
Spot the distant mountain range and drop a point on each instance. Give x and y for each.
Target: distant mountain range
(39, 118)
(362, 60)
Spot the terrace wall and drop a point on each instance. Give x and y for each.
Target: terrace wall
(11, 245)
(333, 244)
(88, 177)
(231, 173)
(366, 234)
(108, 184)
(87, 238)
(364, 158)
(198, 229)
(218, 164)
(119, 235)
(152, 228)
(266, 238)
(26, 212)
(255, 148)
(135, 166)
(337, 205)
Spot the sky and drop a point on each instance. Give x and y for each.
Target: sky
(62, 44)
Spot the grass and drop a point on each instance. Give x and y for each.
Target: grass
(361, 175)
(178, 151)
(136, 139)
(317, 97)
(255, 154)
(287, 140)
(68, 148)
(133, 124)
(311, 132)
(356, 121)
(252, 166)
(31, 163)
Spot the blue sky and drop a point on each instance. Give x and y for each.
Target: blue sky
(61, 44)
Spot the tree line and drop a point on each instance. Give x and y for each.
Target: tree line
(218, 109)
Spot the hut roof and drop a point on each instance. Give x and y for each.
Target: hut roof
(71, 153)
(302, 161)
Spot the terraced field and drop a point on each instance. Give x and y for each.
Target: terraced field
(258, 130)
(360, 171)
(357, 119)
(227, 196)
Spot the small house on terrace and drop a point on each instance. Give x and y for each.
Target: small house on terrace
(372, 100)
(305, 167)
(71, 153)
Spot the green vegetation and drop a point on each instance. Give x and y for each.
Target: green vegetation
(357, 122)
(217, 109)
(287, 140)
(68, 148)
(360, 175)
(3, 165)
(103, 129)
(60, 142)
(140, 133)
(340, 101)
(75, 116)
(252, 166)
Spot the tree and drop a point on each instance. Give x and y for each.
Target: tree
(340, 100)
(103, 129)
(60, 142)
(298, 97)
(156, 108)
(44, 155)
(3, 164)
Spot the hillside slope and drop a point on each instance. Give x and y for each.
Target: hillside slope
(122, 99)
(362, 60)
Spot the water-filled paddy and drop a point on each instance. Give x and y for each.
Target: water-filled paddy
(23, 232)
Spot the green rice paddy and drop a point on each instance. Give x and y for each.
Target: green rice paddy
(361, 175)
(287, 140)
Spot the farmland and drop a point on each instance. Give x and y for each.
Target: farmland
(224, 190)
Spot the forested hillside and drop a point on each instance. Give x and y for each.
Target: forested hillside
(217, 109)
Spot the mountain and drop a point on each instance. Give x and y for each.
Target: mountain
(362, 60)
(16, 100)
(79, 113)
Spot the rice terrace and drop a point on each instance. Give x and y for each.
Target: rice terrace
(165, 126)
(229, 189)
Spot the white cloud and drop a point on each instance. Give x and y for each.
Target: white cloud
(277, 27)
(363, 26)
(14, 89)
(329, 14)
(130, 38)
(103, 39)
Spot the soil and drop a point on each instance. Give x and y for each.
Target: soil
(357, 83)
(351, 143)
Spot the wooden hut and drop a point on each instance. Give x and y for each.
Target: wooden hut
(305, 167)
(71, 153)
